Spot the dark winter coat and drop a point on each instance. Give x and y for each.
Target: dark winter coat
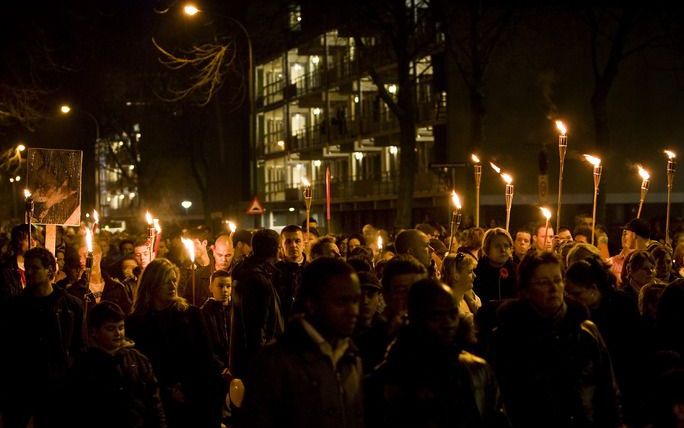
(177, 344)
(429, 385)
(554, 373)
(217, 319)
(10, 280)
(495, 283)
(117, 391)
(287, 285)
(294, 385)
(257, 316)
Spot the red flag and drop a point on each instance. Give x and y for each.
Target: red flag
(327, 193)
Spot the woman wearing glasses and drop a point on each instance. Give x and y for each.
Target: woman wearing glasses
(551, 362)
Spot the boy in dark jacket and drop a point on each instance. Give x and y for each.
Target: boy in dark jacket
(114, 383)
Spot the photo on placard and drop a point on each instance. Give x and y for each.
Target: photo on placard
(54, 180)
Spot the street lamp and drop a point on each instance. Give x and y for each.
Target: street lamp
(66, 109)
(191, 10)
(186, 205)
(21, 148)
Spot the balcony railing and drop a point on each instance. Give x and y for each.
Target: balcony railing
(383, 186)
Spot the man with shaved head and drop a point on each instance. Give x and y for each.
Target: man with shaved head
(415, 243)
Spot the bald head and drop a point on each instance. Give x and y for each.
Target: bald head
(415, 243)
(223, 252)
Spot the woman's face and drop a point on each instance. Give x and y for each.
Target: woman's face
(585, 293)
(663, 266)
(642, 275)
(463, 280)
(545, 290)
(164, 294)
(500, 250)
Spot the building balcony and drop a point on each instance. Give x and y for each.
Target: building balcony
(384, 186)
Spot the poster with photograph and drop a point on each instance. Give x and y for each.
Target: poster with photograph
(54, 180)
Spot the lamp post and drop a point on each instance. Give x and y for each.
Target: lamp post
(66, 109)
(191, 10)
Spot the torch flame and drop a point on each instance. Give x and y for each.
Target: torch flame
(189, 247)
(96, 217)
(475, 158)
(380, 243)
(27, 194)
(157, 226)
(561, 127)
(593, 160)
(148, 218)
(670, 154)
(643, 173)
(495, 168)
(231, 226)
(89, 240)
(455, 199)
(546, 213)
(507, 178)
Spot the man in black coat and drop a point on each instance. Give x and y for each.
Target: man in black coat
(258, 319)
(44, 332)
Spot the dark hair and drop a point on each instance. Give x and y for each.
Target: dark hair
(659, 251)
(493, 233)
(292, 228)
(422, 294)
(359, 264)
(582, 230)
(318, 248)
(313, 231)
(591, 271)
(400, 265)
(473, 238)
(318, 273)
(221, 273)
(45, 257)
(265, 243)
(18, 234)
(125, 241)
(364, 253)
(242, 235)
(72, 258)
(530, 263)
(103, 313)
(523, 229)
(358, 237)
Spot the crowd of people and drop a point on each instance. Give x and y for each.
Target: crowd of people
(291, 329)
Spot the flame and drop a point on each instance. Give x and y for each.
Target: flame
(148, 218)
(380, 243)
(643, 173)
(157, 226)
(455, 200)
(546, 213)
(592, 160)
(231, 226)
(561, 127)
(27, 194)
(475, 158)
(495, 168)
(507, 178)
(89, 240)
(189, 247)
(96, 217)
(670, 154)
(305, 182)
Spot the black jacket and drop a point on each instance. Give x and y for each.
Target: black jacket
(217, 319)
(287, 285)
(177, 344)
(493, 283)
(10, 280)
(257, 316)
(426, 384)
(117, 390)
(554, 373)
(294, 385)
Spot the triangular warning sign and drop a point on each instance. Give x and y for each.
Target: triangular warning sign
(255, 207)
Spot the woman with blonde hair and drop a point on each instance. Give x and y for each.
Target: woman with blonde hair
(458, 273)
(172, 334)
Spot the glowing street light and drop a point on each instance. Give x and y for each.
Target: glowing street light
(65, 109)
(190, 9)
